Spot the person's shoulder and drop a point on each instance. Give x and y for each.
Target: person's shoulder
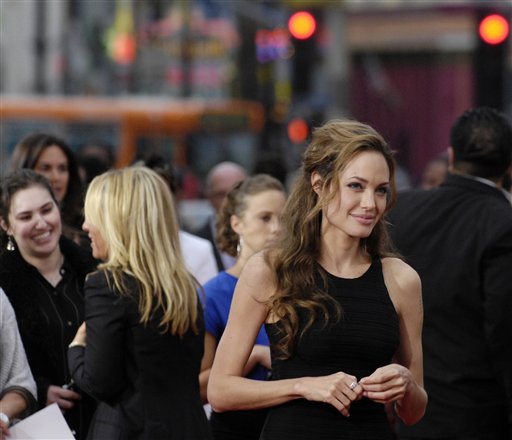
(78, 257)
(399, 269)
(221, 281)
(11, 262)
(5, 306)
(203, 231)
(414, 195)
(409, 201)
(105, 278)
(400, 277)
(189, 240)
(102, 282)
(258, 264)
(258, 276)
(98, 278)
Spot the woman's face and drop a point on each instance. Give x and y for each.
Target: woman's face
(259, 225)
(34, 222)
(362, 197)
(98, 244)
(53, 164)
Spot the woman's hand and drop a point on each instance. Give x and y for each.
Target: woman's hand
(387, 384)
(339, 390)
(63, 397)
(260, 354)
(81, 335)
(4, 431)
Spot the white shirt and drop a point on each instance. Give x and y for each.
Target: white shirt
(14, 369)
(199, 257)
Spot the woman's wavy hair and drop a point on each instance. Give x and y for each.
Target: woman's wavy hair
(134, 212)
(295, 263)
(26, 154)
(10, 185)
(235, 203)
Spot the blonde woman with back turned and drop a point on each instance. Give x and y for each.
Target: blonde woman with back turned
(139, 350)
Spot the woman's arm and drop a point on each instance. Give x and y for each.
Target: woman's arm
(260, 355)
(210, 345)
(17, 386)
(402, 382)
(12, 405)
(98, 368)
(229, 390)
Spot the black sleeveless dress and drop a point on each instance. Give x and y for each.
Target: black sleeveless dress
(364, 339)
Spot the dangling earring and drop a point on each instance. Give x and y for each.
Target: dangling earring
(10, 244)
(239, 246)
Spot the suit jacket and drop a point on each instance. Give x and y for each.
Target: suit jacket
(459, 239)
(146, 380)
(206, 232)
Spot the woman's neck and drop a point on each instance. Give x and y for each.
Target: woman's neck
(236, 269)
(48, 266)
(344, 258)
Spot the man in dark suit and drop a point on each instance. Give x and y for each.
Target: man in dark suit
(219, 181)
(459, 239)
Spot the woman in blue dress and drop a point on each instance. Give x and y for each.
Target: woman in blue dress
(248, 222)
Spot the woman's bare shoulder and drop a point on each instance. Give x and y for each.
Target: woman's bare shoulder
(400, 271)
(257, 277)
(402, 281)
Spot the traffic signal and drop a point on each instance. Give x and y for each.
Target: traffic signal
(302, 25)
(124, 49)
(298, 130)
(493, 30)
(303, 28)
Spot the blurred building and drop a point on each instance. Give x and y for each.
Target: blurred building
(408, 68)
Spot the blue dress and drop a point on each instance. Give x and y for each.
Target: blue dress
(231, 425)
(219, 294)
(364, 339)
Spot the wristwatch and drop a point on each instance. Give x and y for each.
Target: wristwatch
(5, 418)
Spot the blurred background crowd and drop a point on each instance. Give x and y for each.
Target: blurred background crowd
(199, 82)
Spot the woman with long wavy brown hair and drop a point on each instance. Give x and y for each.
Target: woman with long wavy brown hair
(342, 313)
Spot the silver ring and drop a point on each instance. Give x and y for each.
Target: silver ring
(353, 385)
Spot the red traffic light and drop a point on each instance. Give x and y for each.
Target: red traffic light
(298, 130)
(494, 29)
(302, 25)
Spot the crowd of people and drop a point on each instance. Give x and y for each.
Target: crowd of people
(338, 308)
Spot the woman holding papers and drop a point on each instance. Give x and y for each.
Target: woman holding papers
(17, 386)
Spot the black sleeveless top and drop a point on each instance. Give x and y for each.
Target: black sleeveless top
(364, 339)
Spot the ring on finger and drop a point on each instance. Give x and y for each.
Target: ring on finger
(353, 385)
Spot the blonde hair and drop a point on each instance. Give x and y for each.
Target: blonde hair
(332, 148)
(134, 212)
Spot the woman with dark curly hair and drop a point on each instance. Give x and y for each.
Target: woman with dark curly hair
(343, 315)
(52, 157)
(248, 222)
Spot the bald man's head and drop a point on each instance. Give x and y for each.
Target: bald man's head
(219, 181)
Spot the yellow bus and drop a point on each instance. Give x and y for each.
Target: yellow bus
(190, 133)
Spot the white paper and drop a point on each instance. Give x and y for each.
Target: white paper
(48, 423)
